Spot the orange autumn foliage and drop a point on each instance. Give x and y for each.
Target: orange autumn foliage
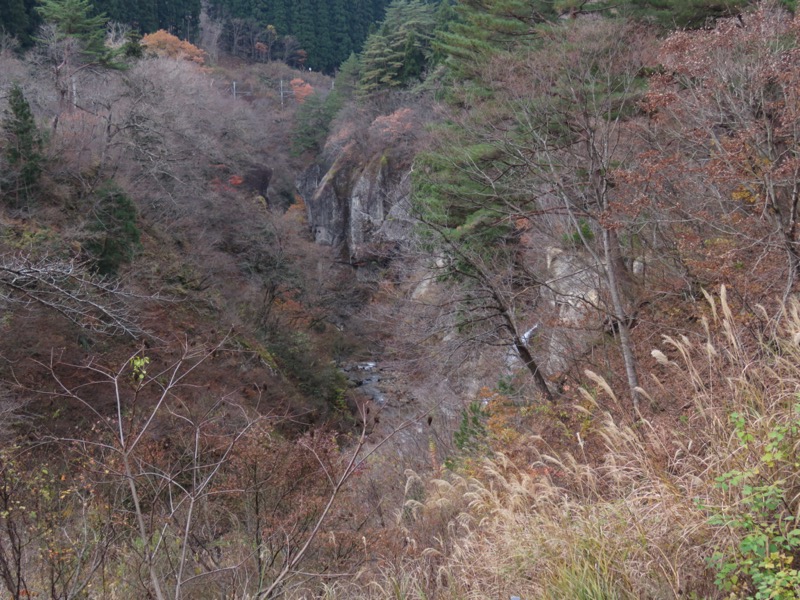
(501, 415)
(297, 211)
(301, 89)
(399, 123)
(163, 43)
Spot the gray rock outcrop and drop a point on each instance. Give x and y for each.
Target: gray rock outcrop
(574, 284)
(360, 205)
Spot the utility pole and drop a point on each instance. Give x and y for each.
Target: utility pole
(234, 91)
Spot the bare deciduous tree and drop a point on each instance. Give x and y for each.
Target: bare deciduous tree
(67, 287)
(532, 168)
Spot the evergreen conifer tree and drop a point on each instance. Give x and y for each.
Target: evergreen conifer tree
(313, 122)
(76, 19)
(133, 46)
(341, 32)
(281, 17)
(328, 30)
(399, 51)
(348, 76)
(482, 27)
(13, 17)
(19, 19)
(23, 148)
(115, 233)
(77, 42)
(327, 53)
(303, 26)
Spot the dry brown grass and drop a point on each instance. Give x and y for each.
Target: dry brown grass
(636, 524)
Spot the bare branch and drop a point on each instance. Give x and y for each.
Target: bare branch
(67, 287)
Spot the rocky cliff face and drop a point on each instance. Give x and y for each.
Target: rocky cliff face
(574, 286)
(358, 203)
(357, 193)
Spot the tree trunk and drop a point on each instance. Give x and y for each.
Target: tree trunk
(620, 315)
(533, 367)
(520, 346)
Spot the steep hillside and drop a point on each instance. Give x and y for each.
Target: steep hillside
(602, 269)
(506, 308)
(171, 333)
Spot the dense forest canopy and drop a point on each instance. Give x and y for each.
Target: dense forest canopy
(516, 292)
(328, 30)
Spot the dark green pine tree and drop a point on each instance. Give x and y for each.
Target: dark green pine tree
(79, 41)
(478, 28)
(324, 56)
(379, 9)
(360, 18)
(328, 30)
(239, 9)
(340, 31)
(77, 19)
(380, 65)
(18, 18)
(116, 235)
(14, 17)
(133, 45)
(400, 50)
(281, 17)
(180, 16)
(312, 122)
(141, 14)
(348, 76)
(112, 9)
(264, 13)
(176, 16)
(303, 25)
(23, 148)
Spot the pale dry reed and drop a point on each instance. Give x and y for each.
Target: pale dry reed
(636, 524)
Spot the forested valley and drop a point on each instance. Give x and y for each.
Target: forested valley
(399, 299)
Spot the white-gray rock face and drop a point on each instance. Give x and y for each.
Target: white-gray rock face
(359, 205)
(574, 283)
